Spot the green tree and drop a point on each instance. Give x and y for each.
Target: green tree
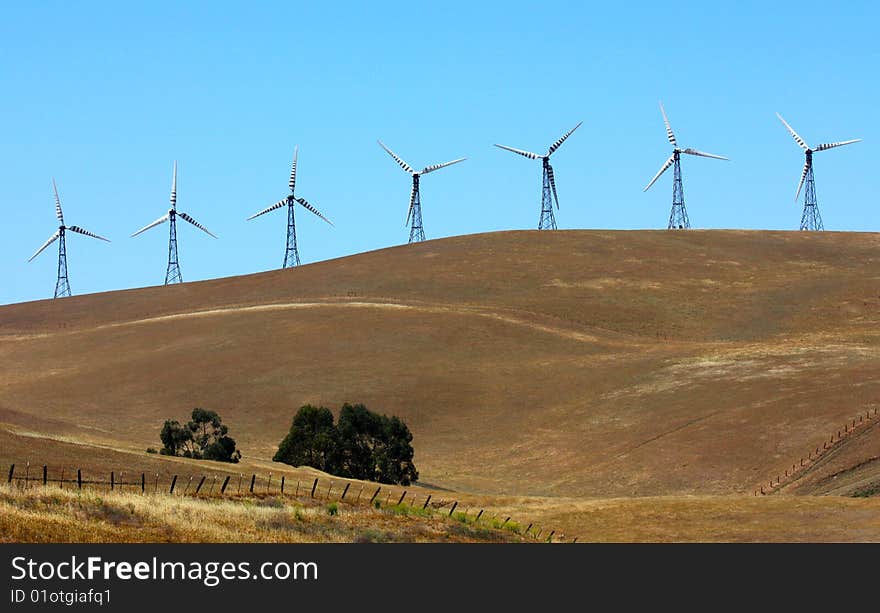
(362, 444)
(203, 437)
(310, 441)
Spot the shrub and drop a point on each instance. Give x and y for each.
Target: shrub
(333, 509)
(151, 450)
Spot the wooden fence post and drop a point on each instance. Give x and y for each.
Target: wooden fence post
(345, 491)
(574, 540)
(268, 482)
(314, 485)
(156, 487)
(11, 472)
(61, 483)
(253, 480)
(297, 489)
(505, 522)
(376, 493)
(173, 482)
(358, 499)
(201, 483)
(550, 538)
(45, 475)
(282, 485)
(527, 529)
(479, 515)
(112, 481)
(143, 483)
(213, 483)
(454, 504)
(79, 478)
(402, 496)
(427, 500)
(225, 483)
(188, 483)
(27, 472)
(240, 475)
(329, 489)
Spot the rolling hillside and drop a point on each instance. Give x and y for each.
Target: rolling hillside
(589, 364)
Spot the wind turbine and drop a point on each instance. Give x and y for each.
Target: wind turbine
(291, 255)
(678, 218)
(547, 220)
(416, 232)
(62, 286)
(172, 273)
(811, 219)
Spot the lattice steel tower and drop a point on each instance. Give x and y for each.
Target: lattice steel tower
(414, 213)
(547, 221)
(291, 252)
(172, 272)
(678, 217)
(62, 285)
(810, 218)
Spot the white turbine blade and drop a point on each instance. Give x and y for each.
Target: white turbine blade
(704, 154)
(796, 136)
(196, 224)
(825, 146)
(666, 165)
(292, 182)
(528, 154)
(801, 183)
(85, 232)
(174, 187)
(403, 164)
(51, 240)
(561, 140)
(412, 199)
(162, 219)
(277, 205)
(309, 207)
(58, 212)
(434, 167)
(552, 178)
(669, 133)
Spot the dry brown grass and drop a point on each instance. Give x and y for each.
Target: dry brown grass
(572, 363)
(53, 515)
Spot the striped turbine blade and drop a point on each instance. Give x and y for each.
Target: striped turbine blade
(825, 146)
(663, 168)
(528, 154)
(434, 167)
(292, 182)
(803, 176)
(51, 240)
(309, 207)
(402, 164)
(174, 187)
(669, 134)
(196, 224)
(794, 134)
(553, 183)
(58, 212)
(562, 139)
(277, 205)
(85, 232)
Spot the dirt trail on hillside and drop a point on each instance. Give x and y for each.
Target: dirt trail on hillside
(426, 308)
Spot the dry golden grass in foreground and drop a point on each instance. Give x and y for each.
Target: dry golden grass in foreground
(52, 515)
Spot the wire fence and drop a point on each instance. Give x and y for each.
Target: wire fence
(797, 470)
(242, 485)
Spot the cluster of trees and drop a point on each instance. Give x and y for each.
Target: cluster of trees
(361, 445)
(204, 437)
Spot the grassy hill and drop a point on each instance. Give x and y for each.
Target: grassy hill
(599, 364)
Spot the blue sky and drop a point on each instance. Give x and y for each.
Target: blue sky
(104, 97)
